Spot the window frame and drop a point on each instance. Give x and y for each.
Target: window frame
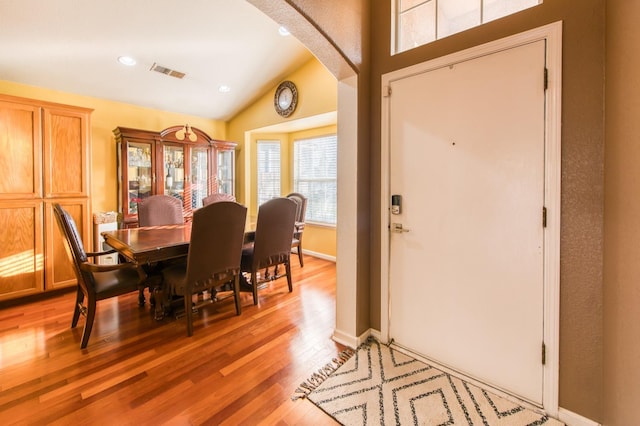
(396, 27)
(296, 179)
(263, 142)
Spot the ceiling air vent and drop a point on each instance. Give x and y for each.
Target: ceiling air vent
(167, 71)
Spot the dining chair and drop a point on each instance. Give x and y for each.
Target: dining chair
(158, 210)
(271, 245)
(216, 197)
(95, 282)
(213, 260)
(301, 211)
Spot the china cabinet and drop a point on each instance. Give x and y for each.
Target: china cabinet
(45, 160)
(180, 161)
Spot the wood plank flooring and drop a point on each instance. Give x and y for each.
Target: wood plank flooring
(135, 370)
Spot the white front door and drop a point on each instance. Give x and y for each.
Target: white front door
(467, 157)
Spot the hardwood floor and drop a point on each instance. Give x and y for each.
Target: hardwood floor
(135, 370)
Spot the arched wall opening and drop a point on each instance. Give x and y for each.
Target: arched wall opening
(303, 29)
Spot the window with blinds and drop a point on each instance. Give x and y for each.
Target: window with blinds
(315, 175)
(268, 170)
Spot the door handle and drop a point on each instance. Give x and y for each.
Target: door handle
(397, 227)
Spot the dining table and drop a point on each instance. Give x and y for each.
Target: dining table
(150, 244)
(146, 246)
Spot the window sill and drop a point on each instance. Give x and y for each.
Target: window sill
(320, 225)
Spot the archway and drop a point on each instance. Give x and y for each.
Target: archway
(309, 34)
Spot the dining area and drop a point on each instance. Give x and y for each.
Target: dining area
(137, 370)
(185, 265)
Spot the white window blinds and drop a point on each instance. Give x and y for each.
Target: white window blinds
(268, 170)
(315, 175)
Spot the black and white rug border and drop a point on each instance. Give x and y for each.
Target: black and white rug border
(461, 389)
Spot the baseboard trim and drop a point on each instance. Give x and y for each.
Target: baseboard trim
(573, 419)
(345, 339)
(354, 341)
(318, 255)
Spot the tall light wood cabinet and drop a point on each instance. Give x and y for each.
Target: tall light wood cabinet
(45, 159)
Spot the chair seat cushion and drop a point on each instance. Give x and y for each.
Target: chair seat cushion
(246, 263)
(175, 279)
(114, 283)
(247, 257)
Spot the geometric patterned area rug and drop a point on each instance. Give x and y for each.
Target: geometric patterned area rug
(376, 385)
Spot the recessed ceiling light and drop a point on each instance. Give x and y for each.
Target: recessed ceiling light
(127, 60)
(224, 89)
(283, 31)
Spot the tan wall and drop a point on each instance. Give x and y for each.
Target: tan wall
(108, 115)
(581, 322)
(581, 377)
(622, 216)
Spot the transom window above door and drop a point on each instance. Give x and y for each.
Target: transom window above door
(418, 22)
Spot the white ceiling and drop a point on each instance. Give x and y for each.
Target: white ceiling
(73, 46)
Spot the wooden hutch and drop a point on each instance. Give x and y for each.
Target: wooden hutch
(180, 161)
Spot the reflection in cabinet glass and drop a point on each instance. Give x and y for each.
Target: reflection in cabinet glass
(226, 172)
(174, 171)
(139, 173)
(199, 176)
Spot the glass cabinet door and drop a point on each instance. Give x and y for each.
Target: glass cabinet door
(199, 175)
(173, 171)
(139, 174)
(225, 171)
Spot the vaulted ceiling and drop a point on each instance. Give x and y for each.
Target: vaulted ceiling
(74, 45)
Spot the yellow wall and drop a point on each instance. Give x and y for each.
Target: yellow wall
(108, 115)
(317, 94)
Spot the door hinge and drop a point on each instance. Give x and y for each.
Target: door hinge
(388, 91)
(546, 79)
(544, 353)
(544, 217)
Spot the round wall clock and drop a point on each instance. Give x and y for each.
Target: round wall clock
(286, 98)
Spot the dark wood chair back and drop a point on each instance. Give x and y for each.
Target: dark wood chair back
(301, 205)
(158, 210)
(215, 249)
(301, 213)
(95, 282)
(272, 242)
(215, 198)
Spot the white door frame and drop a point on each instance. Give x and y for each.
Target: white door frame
(552, 33)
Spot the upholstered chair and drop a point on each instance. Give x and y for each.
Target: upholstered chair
(158, 210)
(301, 211)
(214, 198)
(213, 260)
(271, 245)
(95, 282)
